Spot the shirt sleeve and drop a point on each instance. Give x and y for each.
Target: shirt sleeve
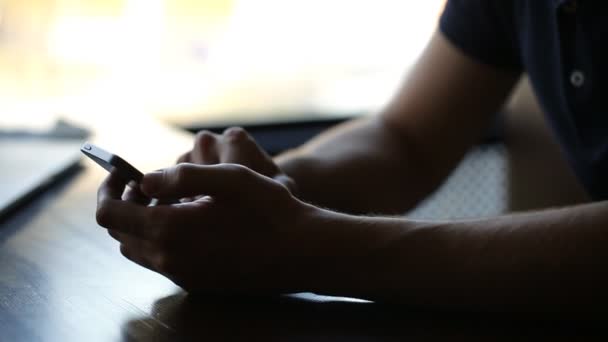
(485, 30)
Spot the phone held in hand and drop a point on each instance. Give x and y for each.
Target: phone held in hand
(112, 162)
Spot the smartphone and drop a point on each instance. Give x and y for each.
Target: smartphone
(110, 162)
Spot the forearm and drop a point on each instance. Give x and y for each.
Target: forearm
(361, 166)
(550, 261)
(388, 163)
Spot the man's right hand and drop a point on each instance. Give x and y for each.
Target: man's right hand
(235, 146)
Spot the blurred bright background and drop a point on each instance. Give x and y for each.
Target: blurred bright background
(204, 62)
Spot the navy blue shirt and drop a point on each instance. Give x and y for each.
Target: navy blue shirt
(563, 46)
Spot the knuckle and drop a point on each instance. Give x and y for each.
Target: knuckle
(236, 134)
(238, 171)
(279, 191)
(102, 215)
(204, 138)
(114, 234)
(162, 262)
(282, 188)
(183, 158)
(126, 252)
(286, 182)
(182, 171)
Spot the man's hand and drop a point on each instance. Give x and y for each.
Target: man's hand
(252, 236)
(234, 146)
(239, 237)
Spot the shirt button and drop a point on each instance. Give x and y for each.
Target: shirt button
(577, 78)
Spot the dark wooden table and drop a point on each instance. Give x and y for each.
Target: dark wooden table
(62, 278)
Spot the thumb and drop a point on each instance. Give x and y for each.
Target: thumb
(189, 180)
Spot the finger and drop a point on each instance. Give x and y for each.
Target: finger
(111, 188)
(137, 250)
(128, 252)
(128, 217)
(240, 148)
(205, 149)
(135, 241)
(136, 196)
(287, 182)
(189, 180)
(114, 213)
(184, 158)
(236, 147)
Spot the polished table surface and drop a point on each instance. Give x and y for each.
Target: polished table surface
(62, 278)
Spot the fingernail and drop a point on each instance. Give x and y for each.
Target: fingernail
(150, 185)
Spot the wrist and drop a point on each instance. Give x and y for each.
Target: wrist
(287, 182)
(302, 171)
(339, 254)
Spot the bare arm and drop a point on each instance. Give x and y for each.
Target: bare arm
(552, 261)
(387, 163)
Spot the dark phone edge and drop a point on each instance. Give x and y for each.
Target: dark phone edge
(128, 172)
(133, 173)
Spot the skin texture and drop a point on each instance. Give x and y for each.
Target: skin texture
(245, 225)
